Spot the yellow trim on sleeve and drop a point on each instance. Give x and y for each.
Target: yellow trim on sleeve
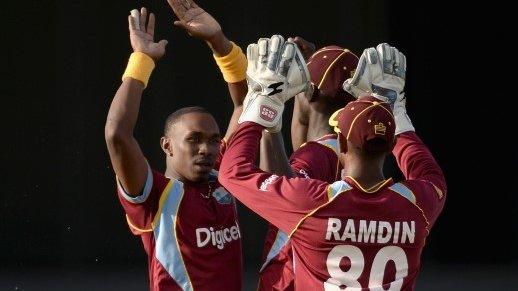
(163, 198)
(317, 209)
(439, 191)
(415, 204)
(136, 228)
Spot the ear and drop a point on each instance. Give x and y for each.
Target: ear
(165, 143)
(342, 142)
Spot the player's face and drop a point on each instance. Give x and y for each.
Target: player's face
(195, 141)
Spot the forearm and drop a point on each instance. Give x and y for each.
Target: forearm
(232, 64)
(127, 159)
(273, 158)
(124, 109)
(219, 44)
(416, 161)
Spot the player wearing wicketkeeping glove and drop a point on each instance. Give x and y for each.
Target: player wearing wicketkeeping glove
(381, 73)
(276, 72)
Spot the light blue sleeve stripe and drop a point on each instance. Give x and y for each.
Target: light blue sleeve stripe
(145, 193)
(332, 143)
(338, 187)
(280, 241)
(167, 248)
(403, 191)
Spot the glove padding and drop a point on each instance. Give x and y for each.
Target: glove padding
(276, 72)
(380, 73)
(403, 122)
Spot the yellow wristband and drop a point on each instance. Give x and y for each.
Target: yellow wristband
(139, 67)
(233, 65)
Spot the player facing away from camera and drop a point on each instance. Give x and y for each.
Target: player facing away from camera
(315, 147)
(362, 232)
(187, 221)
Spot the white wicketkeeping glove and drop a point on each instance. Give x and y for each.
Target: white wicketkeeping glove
(276, 72)
(381, 73)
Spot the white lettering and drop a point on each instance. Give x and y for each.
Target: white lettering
(349, 232)
(234, 231)
(267, 182)
(218, 237)
(333, 226)
(368, 232)
(383, 227)
(408, 231)
(199, 241)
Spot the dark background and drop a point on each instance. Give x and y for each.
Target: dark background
(61, 226)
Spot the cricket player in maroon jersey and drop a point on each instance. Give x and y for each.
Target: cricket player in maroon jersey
(315, 147)
(364, 232)
(187, 221)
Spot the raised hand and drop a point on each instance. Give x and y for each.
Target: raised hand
(306, 48)
(142, 36)
(380, 72)
(276, 72)
(195, 20)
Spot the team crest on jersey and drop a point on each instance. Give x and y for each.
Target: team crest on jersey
(222, 196)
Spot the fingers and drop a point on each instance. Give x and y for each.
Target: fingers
(163, 43)
(263, 51)
(372, 55)
(135, 15)
(274, 50)
(193, 4)
(252, 54)
(288, 52)
(143, 18)
(131, 23)
(177, 7)
(151, 24)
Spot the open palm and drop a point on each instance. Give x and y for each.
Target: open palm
(142, 38)
(194, 19)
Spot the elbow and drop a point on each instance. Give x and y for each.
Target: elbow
(115, 135)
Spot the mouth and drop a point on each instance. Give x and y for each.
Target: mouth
(204, 165)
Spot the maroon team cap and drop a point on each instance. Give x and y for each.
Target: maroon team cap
(368, 123)
(329, 67)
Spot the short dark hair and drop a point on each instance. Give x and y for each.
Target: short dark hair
(175, 116)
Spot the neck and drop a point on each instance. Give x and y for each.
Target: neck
(318, 125)
(171, 173)
(367, 173)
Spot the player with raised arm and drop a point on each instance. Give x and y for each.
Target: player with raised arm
(361, 232)
(315, 146)
(187, 221)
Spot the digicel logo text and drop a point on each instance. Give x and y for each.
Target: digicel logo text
(218, 237)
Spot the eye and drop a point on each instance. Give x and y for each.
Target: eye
(193, 139)
(215, 140)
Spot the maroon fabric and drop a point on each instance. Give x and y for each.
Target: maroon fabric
(367, 119)
(211, 266)
(339, 63)
(333, 241)
(313, 160)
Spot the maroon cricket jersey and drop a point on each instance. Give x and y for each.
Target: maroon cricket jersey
(341, 234)
(190, 233)
(317, 160)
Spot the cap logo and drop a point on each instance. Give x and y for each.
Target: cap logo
(380, 129)
(268, 113)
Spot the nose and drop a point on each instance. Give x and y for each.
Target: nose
(203, 148)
